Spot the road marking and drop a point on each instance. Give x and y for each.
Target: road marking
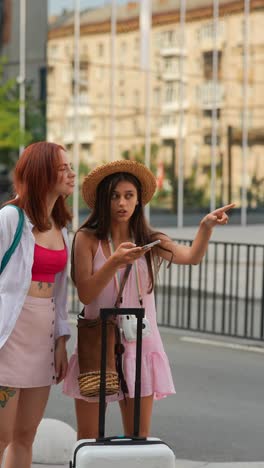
(251, 349)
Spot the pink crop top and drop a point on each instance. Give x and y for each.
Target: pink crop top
(47, 263)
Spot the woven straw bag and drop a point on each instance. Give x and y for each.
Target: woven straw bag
(89, 354)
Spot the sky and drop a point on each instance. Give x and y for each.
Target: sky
(57, 6)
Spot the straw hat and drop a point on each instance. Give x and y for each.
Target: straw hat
(143, 174)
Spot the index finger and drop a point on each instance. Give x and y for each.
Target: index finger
(225, 208)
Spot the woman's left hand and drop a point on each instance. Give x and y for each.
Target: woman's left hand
(61, 359)
(218, 216)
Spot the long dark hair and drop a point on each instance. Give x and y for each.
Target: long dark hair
(99, 220)
(36, 173)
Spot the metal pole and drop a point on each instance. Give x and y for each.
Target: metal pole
(214, 108)
(76, 72)
(229, 164)
(22, 71)
(245, 114)
(181, 116)
(147, 127)
(112, 82)
(145, 27)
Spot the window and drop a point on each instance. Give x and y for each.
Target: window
(208, 139)
(99, 73)
(172, 65)
(170, 38)
(53, 50)
(208, 113)
(169, 93)
(248, 119)
(172, 92)
(207, 31)
(156, 96)
(123, 48)
(136, 98)
(122, 99)
(100, 49)
(208, 64)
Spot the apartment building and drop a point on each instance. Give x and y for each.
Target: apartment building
(183, 93)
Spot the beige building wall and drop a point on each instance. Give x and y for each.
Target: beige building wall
(95, 111)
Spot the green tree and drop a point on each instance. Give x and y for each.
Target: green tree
(11, 137)
(194, 196)
(139, 155)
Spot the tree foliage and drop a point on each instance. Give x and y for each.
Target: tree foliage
(11, 137)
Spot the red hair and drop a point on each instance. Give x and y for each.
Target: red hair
(35, 175)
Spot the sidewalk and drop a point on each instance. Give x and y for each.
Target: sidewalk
(187, 464)
(55, 440)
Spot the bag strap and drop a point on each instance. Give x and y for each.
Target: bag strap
(122, 285)
(16, 239)
(117, 277)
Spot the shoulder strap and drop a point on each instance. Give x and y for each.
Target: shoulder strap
(16, 239)
(122, 285)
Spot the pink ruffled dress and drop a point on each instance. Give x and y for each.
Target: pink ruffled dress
(156, 378)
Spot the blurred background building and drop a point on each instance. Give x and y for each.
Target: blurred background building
(202, 98)
(13, 135)
(174, 69)
(36, 38)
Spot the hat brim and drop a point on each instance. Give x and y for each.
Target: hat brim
(143, 174)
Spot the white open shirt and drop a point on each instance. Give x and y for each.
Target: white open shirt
(16, 278)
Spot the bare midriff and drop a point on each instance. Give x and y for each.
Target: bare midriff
(41, 289)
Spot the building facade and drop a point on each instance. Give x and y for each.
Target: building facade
(36, 39)
(183, 93)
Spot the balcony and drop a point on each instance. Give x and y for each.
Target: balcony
(210, 94)
(205, 36)
(85, 112)
(84, 108)
(169, 127)
(171, 131)
(174, 105)
(172, 49)
(171, 73)
(84, 136)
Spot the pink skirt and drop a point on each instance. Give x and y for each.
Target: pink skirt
(27, 357)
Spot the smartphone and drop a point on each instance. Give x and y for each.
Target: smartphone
(148, 246)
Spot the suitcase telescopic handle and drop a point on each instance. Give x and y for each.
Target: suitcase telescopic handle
(107, 312)
(104, 314)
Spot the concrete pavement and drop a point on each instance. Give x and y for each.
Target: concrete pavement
(55, 440)
(249, 234)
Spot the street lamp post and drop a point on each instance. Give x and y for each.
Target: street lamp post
(76, 81)
(145, 28)
(113, 82)
(22, 71)
(245, 113)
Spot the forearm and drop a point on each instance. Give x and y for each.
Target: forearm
(91, 286)
(200, 244)
(61, 341)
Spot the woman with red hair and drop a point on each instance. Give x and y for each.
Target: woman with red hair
(33, 296)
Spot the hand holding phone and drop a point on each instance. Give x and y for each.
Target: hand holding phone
(148, 246)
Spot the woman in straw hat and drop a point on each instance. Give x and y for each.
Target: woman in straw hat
(111, 238)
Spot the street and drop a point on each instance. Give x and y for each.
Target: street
(218, 411)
